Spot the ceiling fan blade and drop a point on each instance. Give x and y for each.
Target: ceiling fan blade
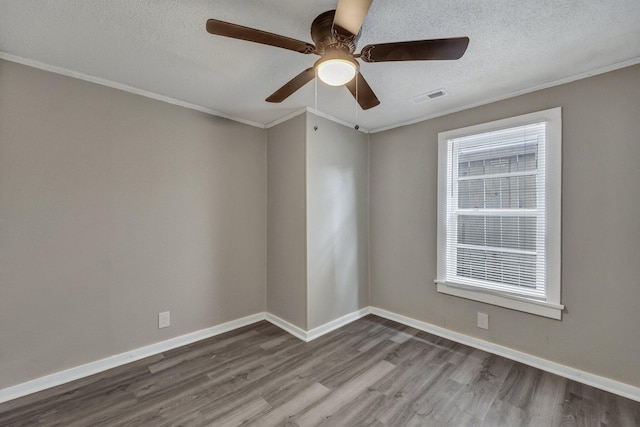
(436, 49)
(350, 15)
(292, 85)
(363, 93)
(235, 31)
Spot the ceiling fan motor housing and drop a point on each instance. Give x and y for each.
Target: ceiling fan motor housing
(326, 38)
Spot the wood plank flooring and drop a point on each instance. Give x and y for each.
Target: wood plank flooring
(372, 372)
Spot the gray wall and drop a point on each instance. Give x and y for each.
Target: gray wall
(337, 221)
(317, 221)
(287, 222)
(600, 228)
(114, 207)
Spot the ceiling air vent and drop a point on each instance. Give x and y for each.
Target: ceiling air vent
(429, 96)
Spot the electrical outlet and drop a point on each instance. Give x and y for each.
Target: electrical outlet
(164, 319)
(483, 320)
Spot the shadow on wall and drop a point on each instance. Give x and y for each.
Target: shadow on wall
(335, 262)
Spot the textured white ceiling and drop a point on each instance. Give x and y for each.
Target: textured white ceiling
(162, 47)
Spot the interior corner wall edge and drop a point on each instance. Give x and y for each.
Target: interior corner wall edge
(337, 220)
(113, 208)
(600, 202)
(287, 221)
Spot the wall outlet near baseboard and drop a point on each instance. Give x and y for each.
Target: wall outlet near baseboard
(483, 320)
(164, 319)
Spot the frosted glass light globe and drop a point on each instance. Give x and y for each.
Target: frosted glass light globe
(336, 71)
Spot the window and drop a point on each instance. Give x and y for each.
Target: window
(499, 189)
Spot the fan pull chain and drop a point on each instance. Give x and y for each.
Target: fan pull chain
(315, 113)
(356, 127)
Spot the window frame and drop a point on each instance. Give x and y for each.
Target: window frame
(551, 307)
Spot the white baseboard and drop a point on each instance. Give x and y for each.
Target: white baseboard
(297, 332)
(320, 330)
(62, 377)
(101, 365)
(338, 323)
(603, 383)
(91, 368)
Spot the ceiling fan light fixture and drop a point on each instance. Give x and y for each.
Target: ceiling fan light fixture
(336, 70)
(335, 34)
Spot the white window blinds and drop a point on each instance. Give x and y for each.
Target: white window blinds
(495, 215)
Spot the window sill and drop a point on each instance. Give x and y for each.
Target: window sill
(540, 308)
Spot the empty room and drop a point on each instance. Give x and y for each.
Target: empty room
(330, 212)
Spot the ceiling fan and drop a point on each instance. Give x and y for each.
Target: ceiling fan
(335, 34)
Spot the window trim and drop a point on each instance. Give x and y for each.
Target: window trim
(553, 157)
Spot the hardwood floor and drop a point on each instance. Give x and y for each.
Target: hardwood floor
(372, 372)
